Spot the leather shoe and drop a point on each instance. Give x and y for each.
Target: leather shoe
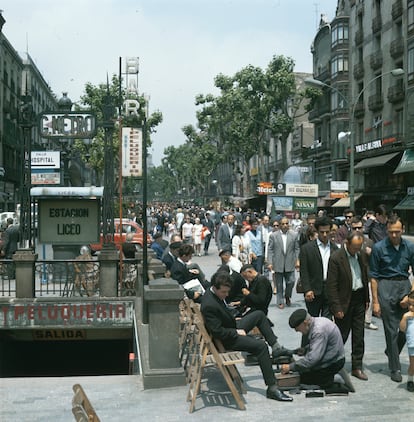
(275, 394)
(288, 302)
(396, 376)
(410, 386)
(360, 374)
(281, 351)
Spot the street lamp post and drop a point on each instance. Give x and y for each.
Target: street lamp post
(26, 121)
(108, 112)
(351, 135)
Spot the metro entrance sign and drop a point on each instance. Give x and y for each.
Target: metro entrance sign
(71, 124)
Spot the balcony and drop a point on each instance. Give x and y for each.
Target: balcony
(397, 48)
(375, 60)
(318, 111)
(359, 37)
(375, 102)
(376, 24)
(397, 10)
(359, 70)
(396, 94)
(359, 110)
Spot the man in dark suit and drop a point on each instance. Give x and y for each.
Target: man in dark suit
(314, 257)
(258, 294)
(348, 295)
(11, 239)
(221, 324)
(209, 223)
(183, 271)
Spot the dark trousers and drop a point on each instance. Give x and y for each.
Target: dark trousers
(354, 320)
(258, 264)
(390, 293)
(207, 240)
(324, 377)
(319, 307)
(255, 346)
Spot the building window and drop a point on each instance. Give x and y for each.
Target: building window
(339, 99)
(410, 63)
(410, 15)
(339, 64)
(340, 34)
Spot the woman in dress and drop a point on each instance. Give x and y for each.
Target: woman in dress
(241, 245)
(197, 231)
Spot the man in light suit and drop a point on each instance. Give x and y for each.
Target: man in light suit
(314, 257)
(283, 257)
(348, 295)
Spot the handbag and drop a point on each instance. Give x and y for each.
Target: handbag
(299, 286)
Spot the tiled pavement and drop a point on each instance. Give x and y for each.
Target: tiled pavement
(121, 398)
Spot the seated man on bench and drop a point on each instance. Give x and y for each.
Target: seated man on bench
(233, 334)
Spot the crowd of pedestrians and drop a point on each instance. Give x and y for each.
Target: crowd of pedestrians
(347, 273)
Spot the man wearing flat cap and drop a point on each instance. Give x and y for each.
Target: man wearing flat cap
(324, 351)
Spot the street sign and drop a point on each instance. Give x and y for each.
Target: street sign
(71, 124)
(131, 152)
(45, 167)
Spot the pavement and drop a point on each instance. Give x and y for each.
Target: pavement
(119, 398)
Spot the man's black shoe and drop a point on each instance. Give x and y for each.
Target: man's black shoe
(275, 394)
(281, 351)
(410, 386)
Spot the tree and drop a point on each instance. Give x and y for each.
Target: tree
(254, 106)
(94, 100)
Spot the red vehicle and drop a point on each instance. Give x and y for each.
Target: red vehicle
(121, 230)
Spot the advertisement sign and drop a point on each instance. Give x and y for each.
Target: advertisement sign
(51, 314)
(305, 204)
(268, 188)
(339, 185)
(131, 152)
(283, 203)
(302, 190)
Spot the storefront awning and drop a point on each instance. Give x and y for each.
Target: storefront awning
(406, 204)
(407, 162)
(375, 161)
(345, 202)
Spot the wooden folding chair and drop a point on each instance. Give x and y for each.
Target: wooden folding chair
(209, 355)
(82, 408)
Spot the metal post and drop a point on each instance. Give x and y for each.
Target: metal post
(26, 123)
(108, 197)
(144, 202)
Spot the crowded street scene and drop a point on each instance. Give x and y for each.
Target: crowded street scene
(207, 210)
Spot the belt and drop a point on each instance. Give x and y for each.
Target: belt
(398, 278)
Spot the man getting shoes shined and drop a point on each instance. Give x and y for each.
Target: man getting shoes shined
(222, 325)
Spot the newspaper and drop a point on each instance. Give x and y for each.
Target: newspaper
(194, 285)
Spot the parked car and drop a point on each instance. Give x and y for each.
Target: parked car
(121, 230)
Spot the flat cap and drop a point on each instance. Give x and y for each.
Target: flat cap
(297, 317)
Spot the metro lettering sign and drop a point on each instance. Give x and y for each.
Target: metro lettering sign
(71, 124)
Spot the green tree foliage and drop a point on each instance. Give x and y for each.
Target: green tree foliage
(94, 100)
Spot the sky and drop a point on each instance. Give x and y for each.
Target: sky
(181, 44)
